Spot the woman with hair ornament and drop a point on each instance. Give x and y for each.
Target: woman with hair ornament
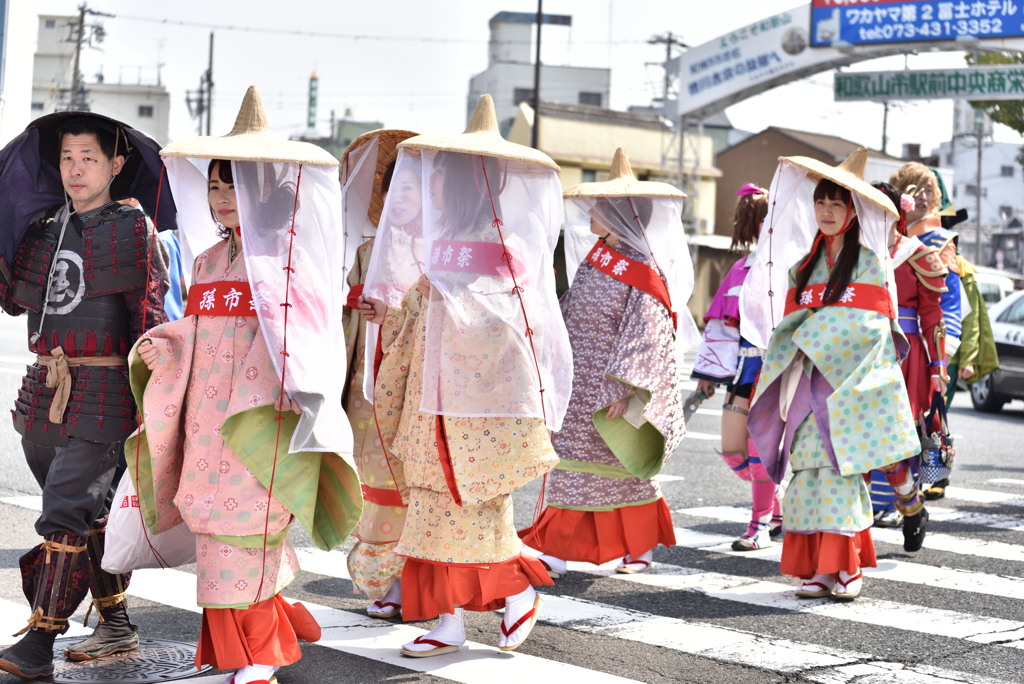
(725, 357)
(831, 401)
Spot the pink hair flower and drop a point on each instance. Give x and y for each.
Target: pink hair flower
(906, 202)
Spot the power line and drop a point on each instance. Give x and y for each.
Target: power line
(340, 36)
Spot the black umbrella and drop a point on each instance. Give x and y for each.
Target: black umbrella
(30, 177)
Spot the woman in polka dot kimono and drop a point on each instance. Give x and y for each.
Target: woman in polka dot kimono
(831, 400)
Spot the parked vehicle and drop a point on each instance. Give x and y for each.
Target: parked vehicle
(993, 391)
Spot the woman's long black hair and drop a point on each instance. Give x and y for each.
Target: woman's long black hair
(846, 262)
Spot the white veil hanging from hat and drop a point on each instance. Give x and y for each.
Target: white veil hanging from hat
(494, 341)
(662, 239)
(357, 174)
(786, 237)
(293, 248)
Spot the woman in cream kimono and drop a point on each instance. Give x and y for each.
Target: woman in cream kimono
(472, 375)
(368, 168)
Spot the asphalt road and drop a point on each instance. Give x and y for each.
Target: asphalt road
(953, 612)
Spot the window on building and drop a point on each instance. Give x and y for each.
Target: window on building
(589, 176)
(51, 23)
(37, 106)
(1006, 171)
(970, 190)
(1005, 211)
(954, 192)
(949, 159)
(592, 99)
(145, 111)
(522, 95)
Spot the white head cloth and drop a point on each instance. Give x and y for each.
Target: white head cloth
(662, 240)
(495, 336)
(314, 287)
(786, 237)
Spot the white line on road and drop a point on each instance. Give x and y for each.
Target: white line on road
(14, 616)
(690, 434)
(936, 541)
(33, 503)
(866, 610)
(380, 640)
(983, 496)
(661, 477)
(1005, 480)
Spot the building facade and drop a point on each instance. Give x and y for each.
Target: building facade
(509, 74)
(143, 105)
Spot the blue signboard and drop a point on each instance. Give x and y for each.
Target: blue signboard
(3, 41)
(865, 22)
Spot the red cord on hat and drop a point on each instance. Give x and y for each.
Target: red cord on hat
(828, 239)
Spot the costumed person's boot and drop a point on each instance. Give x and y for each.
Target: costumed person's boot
(818, 586)
(556, 567)
(937, 490)
(521, 613)
(848, 586)
(55, 579)
(390, 605)
(910, 505)
(631, 566)
(449, 634)
(776, 529)
(115, 633)
(758, 534)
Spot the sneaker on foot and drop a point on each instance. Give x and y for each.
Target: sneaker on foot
(889, 518)
(760, 538)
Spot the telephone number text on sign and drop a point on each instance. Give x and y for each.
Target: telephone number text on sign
(894, 22)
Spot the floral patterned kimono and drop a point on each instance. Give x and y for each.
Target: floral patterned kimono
(832, 403)
(372, 563)
(459, 539)
(205, 455)
(602, 500)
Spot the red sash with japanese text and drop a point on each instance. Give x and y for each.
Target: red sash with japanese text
(633, 273)
(222, 298)
(856, 296)
(482, 258)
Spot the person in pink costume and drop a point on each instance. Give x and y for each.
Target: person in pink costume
(726, 358)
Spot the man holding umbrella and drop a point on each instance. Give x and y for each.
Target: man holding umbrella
(81, 266)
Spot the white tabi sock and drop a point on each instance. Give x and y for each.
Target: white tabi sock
(394, 595)
(515, 608)
(449, 630)
(252, 673)
(556, 564)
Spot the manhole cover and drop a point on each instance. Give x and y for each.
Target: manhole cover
(155, 660)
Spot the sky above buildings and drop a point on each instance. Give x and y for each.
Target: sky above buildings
(407, 63)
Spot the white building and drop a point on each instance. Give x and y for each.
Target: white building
(144, 106)
(16, 45)
(509, 74)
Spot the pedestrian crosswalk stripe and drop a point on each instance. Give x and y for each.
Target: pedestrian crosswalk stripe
(1005, 480)
(380, 640)
(865, 610)
(14, 617)
(722, 644)
(983, 496)
(34, 503)
(935, 541)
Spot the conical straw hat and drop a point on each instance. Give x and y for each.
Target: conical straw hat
(250, 140)
(481, 137)
(387, 153)
(848, 175)
(622, 183)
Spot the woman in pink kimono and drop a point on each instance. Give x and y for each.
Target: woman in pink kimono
(213, 450)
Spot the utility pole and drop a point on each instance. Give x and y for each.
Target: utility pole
(669, 39)
(885, 126)
(77, 101)
(209, 87)
(979, 130)
(534, 134)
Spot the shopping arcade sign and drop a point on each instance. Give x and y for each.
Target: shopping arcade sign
(978, 83)
(867, 22)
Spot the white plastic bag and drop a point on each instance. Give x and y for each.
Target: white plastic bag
(126, 547)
